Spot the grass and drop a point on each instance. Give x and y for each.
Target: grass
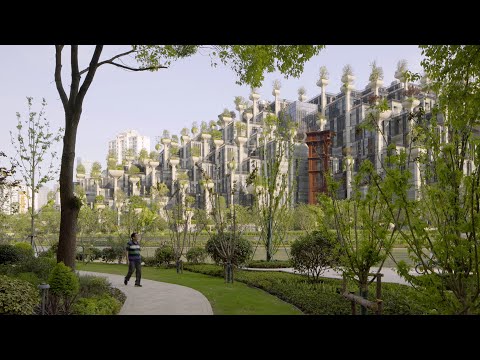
(226, 299)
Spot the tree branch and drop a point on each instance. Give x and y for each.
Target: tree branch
(75, 75)
(91, 73)
(58, 76)
(111, 62)
(130, 68)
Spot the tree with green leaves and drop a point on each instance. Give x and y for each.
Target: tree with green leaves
(6, 181)
(273, 185)
(183, 234)
(249, 62)
(362, 222)
(33, 143)
(445, 147)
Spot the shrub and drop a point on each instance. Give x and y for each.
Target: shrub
(164, 255)
(149, 261)
(64, 286)
(25, 250)
(30, 277)
(243, 248)
(9, 254)
(98, 305)
(312, 253)
(118, 294)
(112, 253)
(263, 264)
(41, 266)
(17, 297)
(196, 255)
(51, 252)
(90, 286)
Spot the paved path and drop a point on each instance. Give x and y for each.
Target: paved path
(158, 298)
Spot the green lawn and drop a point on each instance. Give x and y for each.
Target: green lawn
(226, 299)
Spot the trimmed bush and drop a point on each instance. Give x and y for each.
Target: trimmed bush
(115, 252)
(312, 253)
(64, 286)
(321, 298)
(9, 254)
(274, 264)
(118, 294)
(149, 261)
(243, 249)
(164, 255)
(29, 277)
(17, 297)
(99, 305)
(90, 286)
(41, 266)
(25, 250)
(196, 255)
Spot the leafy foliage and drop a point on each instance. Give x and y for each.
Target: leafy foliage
(17, 297)
(216, 249)
(313, 253)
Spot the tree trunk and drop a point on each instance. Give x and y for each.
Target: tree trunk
(229, 273)
(269, 240)
(364, 294)
(69, 204)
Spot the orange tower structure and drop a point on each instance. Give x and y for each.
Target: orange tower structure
(319, 151)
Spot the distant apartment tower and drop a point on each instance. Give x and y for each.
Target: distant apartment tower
(16, 199)
(129, 139)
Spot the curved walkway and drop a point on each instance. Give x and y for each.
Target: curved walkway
(157, 298)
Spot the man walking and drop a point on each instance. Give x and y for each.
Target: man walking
(134, 260)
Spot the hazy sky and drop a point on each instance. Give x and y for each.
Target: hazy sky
(190, 90)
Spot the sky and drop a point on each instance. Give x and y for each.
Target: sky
(149, 102)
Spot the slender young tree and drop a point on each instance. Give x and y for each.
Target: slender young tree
(249, 62)
(183, 234)
(273, 185)
(33, 143)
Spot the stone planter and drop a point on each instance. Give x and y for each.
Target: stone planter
(174, 161)
(240, 140)
(410, 103)
(348, 79)
(254, 96)
(80, 176)
(205, 136)
(276, 92)
(376, 83)
(153, 164)
(302, 98)
(185, 138)
(166, 141)
(385, 114)
(116, 173)
(99, 206)
(134, 179)
(130, 158)
(195, 158)
(347, 87)
(218, 142)
(209, 184)
(322, 82)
